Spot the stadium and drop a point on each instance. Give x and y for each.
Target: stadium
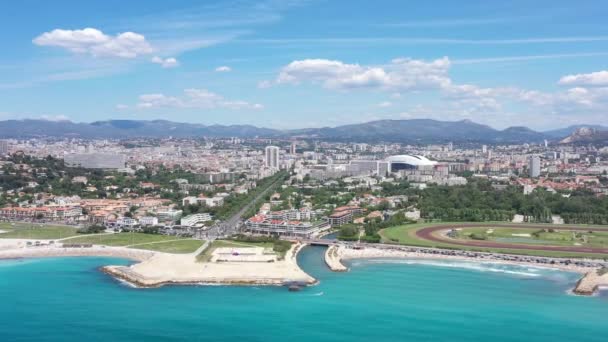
(408, 162)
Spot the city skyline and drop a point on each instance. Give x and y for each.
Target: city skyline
(259, 62)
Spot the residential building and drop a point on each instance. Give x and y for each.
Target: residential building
(272, 157)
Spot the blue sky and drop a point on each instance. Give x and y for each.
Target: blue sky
(290, 64)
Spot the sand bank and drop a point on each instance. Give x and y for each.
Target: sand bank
(165, 268)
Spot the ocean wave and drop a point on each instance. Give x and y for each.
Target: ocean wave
(126, 283)
(17, 262)
(317, 294)
(522, 271)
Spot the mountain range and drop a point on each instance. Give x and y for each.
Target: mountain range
(404, 131)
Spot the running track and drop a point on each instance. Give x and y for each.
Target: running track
(429, 234)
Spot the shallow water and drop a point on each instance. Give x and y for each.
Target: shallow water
(68, 299)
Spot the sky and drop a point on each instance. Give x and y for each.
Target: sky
(306, 63)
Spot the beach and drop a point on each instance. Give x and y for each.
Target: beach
(156, 268)
(589, 283)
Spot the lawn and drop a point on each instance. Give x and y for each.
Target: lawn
(122, 239)
(405, 235)
(177, 247)
(593, 238)
(35, 231)
(205, 255)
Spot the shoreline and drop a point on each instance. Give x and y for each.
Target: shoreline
(138, 255)
(173, 269)
(155, 269)
(588, 284)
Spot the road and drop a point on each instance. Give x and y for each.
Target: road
(430, 234)
(231, 225)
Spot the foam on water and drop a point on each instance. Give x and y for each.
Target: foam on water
(516, 270)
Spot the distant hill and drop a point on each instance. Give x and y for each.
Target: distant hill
(422, 131)
(125, 129)
(564, 132)
(403, 131)
(585, 135)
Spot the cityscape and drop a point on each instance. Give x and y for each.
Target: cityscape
(424, 198)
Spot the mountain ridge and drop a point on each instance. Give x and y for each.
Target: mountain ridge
(390, 130)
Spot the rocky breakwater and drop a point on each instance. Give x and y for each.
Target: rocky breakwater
(591, 282)
(332, 259)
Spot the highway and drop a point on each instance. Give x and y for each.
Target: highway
(232, 225)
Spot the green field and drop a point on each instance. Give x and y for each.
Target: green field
(205, 255)
(177, 247)
(592, 238)
(405, 235)
(16, 230)
(122, 239)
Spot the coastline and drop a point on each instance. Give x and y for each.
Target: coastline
(155, 269)
(172, 269)
(94, 251)
(589, 283)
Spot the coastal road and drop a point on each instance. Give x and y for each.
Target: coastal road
(229, 226)
(432, 233)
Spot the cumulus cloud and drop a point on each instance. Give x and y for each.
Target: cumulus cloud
(264, 84)
(165, 62)
(96, 43)
(223, 68)
(399, 74)
(193, 98)
(594, 79)
(59, 117)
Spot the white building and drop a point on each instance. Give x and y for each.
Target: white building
(3, 147)
(95, 160)
(168, 214)
(195, 219)
(534, 166)
(214, 201)
(272, 157)
(126, 222)
(148, 221)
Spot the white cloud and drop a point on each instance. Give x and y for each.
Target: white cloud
(96, 43)
(223, 68)
(385, 104)
(594, 79)
(165, 62)
(264, 84)
(400, 74)
(193, 98)
(121, 106)
(59, 117)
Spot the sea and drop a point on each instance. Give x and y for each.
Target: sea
(69, 299)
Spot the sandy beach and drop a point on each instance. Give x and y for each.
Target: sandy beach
(164, 269)
(589, 283)
(156, 269)
(17, 248)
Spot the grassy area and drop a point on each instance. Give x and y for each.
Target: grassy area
(205, 255)
(555, 237)
(177, 247)
(122, 239)
(17, 230)
(406, 235)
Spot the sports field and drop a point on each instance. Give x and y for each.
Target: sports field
(529, 239)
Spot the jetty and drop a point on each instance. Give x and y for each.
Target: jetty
(591, 282)
(332, 259)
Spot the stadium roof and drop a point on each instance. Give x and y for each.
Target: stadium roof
(411, 160)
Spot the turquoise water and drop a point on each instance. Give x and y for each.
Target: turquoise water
(67, 299)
